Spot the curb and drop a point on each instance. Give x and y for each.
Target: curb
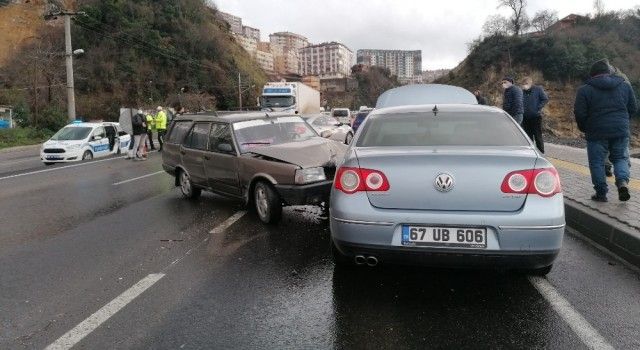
(20, 148)
(617, 237)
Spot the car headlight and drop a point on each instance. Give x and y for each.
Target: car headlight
(309, 175)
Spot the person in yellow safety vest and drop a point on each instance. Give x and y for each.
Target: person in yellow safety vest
(151, 127)
(161, 126)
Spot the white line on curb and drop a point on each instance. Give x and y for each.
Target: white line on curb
(589, 335)
(138, 178)
(87, 326)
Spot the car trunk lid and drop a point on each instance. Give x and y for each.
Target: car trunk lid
(477, 174)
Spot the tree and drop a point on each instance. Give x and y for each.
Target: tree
(519, 19)
(544, 19)
(598, 7)
(496, 25)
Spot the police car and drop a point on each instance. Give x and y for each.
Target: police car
(79, 141)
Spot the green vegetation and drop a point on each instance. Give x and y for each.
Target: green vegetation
(23, 137)
(137, 53)
(372, 82)
(562, 56)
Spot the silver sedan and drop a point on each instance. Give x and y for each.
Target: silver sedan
(330, 128)
(454, 184)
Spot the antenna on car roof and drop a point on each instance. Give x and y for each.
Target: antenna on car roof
(435, 111)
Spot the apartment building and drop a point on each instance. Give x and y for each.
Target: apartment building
(326, 59)
(406, 65)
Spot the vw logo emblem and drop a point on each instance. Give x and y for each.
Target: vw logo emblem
(444, 182)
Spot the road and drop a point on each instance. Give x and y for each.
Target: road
(106, 254)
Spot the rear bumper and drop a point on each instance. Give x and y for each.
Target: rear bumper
(460, 258)
(311, 194)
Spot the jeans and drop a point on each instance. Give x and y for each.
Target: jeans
(518, 118)
(150, 139)
(618, 150)
(133, 152)
(533, 128)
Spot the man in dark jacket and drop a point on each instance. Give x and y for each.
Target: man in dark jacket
(512, 102)
(534, 100)
(481, 99)
(602, 109)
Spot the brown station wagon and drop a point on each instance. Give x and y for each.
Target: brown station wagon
(269, 160)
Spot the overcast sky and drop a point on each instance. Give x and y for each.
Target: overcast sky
(439, 28)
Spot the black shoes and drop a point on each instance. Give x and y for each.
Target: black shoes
(623, 193)
(599, 198)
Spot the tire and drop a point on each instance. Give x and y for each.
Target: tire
(541, 272)
(348, 139)
(87, 155)
(267, 203)
(186, 186)
(340, 260)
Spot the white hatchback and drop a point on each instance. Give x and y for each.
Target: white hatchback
(80, 141)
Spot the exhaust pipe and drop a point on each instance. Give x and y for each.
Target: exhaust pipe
(360, 260)
(372, 261)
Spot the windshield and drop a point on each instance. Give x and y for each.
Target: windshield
(273, 131)
(72, 133)
(341, 113)
(446, 129)
(277, 101)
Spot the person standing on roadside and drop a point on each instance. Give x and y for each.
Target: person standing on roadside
(481, 99)
(139, 129)
(534, 99)
(512, 102)
(151, 127)
(161, 126)
(602, 110)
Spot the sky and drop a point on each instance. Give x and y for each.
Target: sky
(440, 28)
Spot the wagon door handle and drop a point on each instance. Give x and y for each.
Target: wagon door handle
(183, 152)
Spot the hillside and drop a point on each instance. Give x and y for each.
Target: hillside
(19, 23)
(137, 53)
(559, 61)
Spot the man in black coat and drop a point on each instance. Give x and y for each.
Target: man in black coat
(534, 100)
(512, 102)
(602, 110)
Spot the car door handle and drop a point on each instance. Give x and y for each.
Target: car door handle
(207, 158)
(183, 152)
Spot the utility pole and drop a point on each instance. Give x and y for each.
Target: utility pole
(71, 94)
(239, 91)
(55, 10)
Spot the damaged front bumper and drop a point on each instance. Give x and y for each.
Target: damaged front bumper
(311, 194)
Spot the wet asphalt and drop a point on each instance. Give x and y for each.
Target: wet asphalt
(71, 241)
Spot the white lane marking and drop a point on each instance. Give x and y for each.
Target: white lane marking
(138, 178)
(58, 168)
(84, 328)
(589, 335)
(230, 221)
(87, 326)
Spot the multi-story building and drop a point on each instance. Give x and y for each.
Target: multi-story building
(326, 59)
(265, 60)
(249, 44)
(251, 32)
(406, 65)
(235, 22)
(285, 47)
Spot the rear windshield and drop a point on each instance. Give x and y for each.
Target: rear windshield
(445, 129)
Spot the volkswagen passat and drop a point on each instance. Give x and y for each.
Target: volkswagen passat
(450, 184)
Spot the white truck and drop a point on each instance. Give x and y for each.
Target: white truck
(284, 96)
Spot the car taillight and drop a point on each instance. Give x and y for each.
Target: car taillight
(544, 182)
(352, 180)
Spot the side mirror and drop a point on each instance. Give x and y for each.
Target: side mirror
(225, 147)
(326, 134)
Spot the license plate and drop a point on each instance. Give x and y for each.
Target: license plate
(54, 157)
(430, 236)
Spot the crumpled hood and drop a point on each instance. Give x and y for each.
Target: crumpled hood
(315, 152)
(605, 82)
